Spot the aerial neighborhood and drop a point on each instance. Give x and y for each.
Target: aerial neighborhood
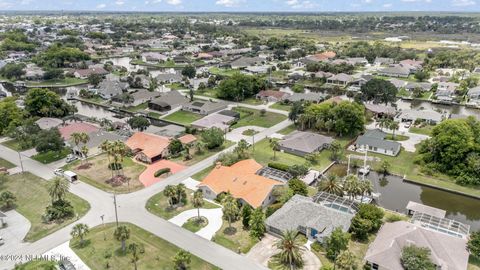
(239, 141)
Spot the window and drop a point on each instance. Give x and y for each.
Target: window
(374, 266)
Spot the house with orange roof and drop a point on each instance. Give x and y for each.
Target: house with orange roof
(242, 181)
(148, 147)
(188, 139)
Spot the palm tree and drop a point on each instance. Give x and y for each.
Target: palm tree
(383, 122)
(170, 193)
(181, 192)
(393, 126)
(351, 185)
(290, 249)
(242, 148)
(366, 188)
(80, 137)
(275, 146)
(331, 184)
(80, 230)
(84, 151)
(346, 260)
(197, 201)
(7, 200)
(58, 188)
(122, 233)
(133, 248)
(230, 208)
(105, 146)
(182, 260)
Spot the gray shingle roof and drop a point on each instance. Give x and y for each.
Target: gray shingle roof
(307, 142)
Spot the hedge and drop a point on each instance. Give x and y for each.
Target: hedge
(161, 171)
(279, 166)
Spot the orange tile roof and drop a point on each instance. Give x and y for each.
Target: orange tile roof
(151, 145)
(241, 181)
(187, 138)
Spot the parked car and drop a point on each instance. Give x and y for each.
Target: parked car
(58, 172)
(71, 158)
(66, 265)
(2, 241)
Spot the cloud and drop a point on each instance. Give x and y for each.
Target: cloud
(387, 5)
(229, 3)
(101, 6)
(174, 2)
(5, 4)
(463, 3)
(152, 2)
(119, 2)
(297, 4)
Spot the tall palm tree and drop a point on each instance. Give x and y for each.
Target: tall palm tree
(351, 185)
(182, 260)
(170, 193)
(133, 248)
(331, 184)
(122, 233)
(393, 126)
(80, 137)
(181, 192)
(290, 249)
(105, 146)
(275, 146)
(230, 208)
(366, 188)
(84, 151)
(58, 188)
(197, 201)
(80, 230)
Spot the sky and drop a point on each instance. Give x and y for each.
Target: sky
(244, 5)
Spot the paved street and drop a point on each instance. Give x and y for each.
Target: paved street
(131, 208)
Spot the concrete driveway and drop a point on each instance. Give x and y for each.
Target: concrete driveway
(65, 252)
(214, 217)
(413, 138)
(265, 249)
(13, 235)
(236, 134)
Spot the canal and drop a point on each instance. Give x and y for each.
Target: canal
(396, 193)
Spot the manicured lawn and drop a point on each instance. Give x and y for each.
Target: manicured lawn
(223, 71)
(175, 86)
(196, 157)
(209, 92)
(287, 130)
(37, 265)
(473, 263)
(140, 107)
(235, 238)
(52, 156)
(13, 144)
(6, 164)
(155, 115)
(202, 174)
(157, 254)
(59, 82)
(158, 205)
(183, 117)
(252, 101)
(264, 154)
(281, 106)
(98, 173)
(251, 117)
(425, 130)
(195, 224)
(32, 199)
(397, 137)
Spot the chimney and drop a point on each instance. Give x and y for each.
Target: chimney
(218, 165)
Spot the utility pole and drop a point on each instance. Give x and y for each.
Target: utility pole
(103, 226)
(115, 203)
(21, 162)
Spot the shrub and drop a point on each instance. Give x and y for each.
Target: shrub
(279, 166)
(316, 246)
(161, 172)
(272, 209)
(59, 210)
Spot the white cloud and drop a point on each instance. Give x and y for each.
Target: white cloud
(5, 4)
(153, 2)
(415, 1)
(119, 2)
(229, 3)
(296, 4)
(174, 2)
(387, 5)
(463, 3)
(100, 6)
(367, 1)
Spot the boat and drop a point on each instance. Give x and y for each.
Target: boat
(364, 170)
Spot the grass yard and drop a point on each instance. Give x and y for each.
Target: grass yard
(59, 82)
(252, 117)
(32, 199)
(36, 265)
(252, 101)
(473, 263)
(288, 130)
(13, 144)
(155, 115)
(281, 106)
(158, 205)
(205, 154)
(194, 224)
(235, 238)
(182, 117)
(138, 108)
(425, 130)
(209, 92)
(223, 71)
(199, 176)
(175, 86)
(397, 137)
(98, 173)
(6, 164)
(52, 156)
(158, 253)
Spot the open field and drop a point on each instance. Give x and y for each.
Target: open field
(252, 117)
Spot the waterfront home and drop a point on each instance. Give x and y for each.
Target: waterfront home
(473, 95)
(362, 61)
(204, 107)
(340, 79)
(85, 73)
(168, 101)
(272, 95)
(303, 143)
(446, 91)
(424, 86)
(108, 88)
(428, 116)
(244, 62)
(374, 141)
(217, 120)
(395, 71)
(398, 83)
(136, 98)
(380, 110)
(242, 181)
(76, 127)
(154, 57)
(147, 147)
(315, 217)
(96, 139)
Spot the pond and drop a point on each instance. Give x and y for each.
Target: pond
(396, 193)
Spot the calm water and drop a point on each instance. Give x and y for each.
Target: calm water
(453, 109)
(395, 195)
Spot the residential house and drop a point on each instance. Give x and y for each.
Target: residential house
(357, 83)
(447, 250)
(473, 95)
(242, 181)
(48, 123)
(424, 86)
(204, 107)
(181, 59)
(395, 71)
(315, 217)
(398, 83)
(374, 141)
(272, 95)
(168, 101)
(187, 139)
(303, 143)
(85, 73)
(147, 147)
(357, 61)
(196, 82)
(96, 139)
(257, 69)
(446, 90)
(322, 74)
(107, 88)
(76, 127)
(169, 78)
(380, 110)
(138, 97)
(244, 62)
(428, 116)
(217, 120)
(205, 56)
(33, 72)
(412, 64)
(154, 57)
(311, 97)
(382, 61)
(340, 79)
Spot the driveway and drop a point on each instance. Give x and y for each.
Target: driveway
(16, 230)
(214, 217)
(236, 134)
(265, 249)
(413, 138)
(147, 177)
(63, 252)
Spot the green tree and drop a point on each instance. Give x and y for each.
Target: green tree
(53, 73)
(394, 126)
(213, 137)
(297, 170)
(58, 189)
(336, 151)
(385, 167)
(331, 184)
(240, 86)
(473, 245)
(11, 116)
(170, 193)
(12, 71)
(80, 230)
(175, 147)
(336, 242)
(298, 187)
(416, 258)
(257, 224)
(122, 233)
(189, 71)
(346, 260)
(378, 90)
(246, 214)
(421, 75)
(134, 249)
(351, 186)
(290, 250)
(360, 227)
(139, 122)
(275, 147)
(7, 200)
(368, 219)
(230, 209)
(242, 149)
(49, 140)
(349, 118)
(197, 201)
(182, 260)
(45, 103)
(298, 88)
(94, 79)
